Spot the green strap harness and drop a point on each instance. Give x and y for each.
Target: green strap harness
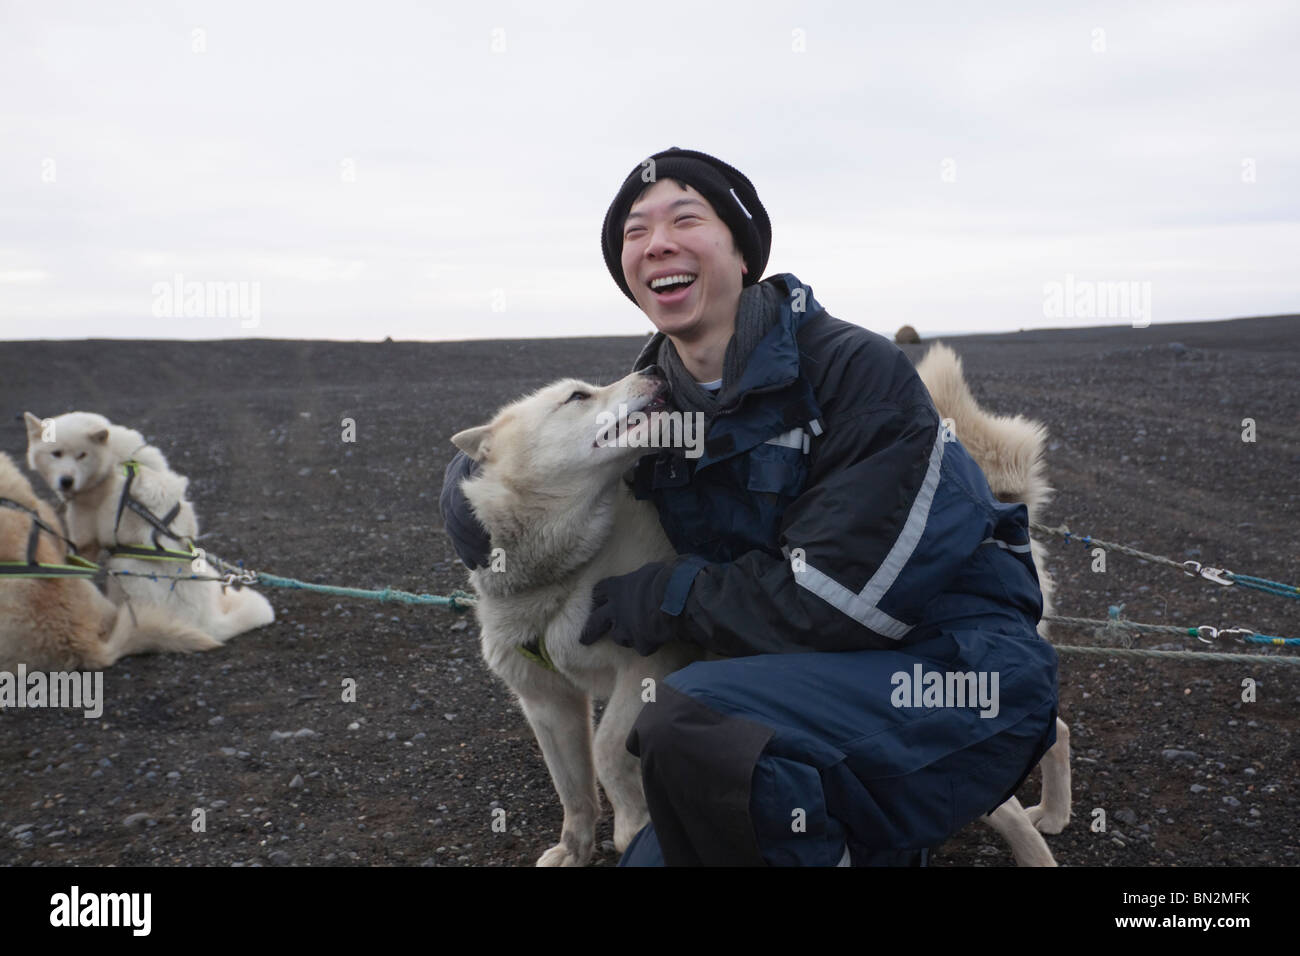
(77, 566)
(535, 651)
(161, 526)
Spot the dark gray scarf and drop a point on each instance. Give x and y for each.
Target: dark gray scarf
(759, 310)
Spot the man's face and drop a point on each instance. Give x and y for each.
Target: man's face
(672, 231)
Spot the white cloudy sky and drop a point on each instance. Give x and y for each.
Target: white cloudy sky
(1110, 142)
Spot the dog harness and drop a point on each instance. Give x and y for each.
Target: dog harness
(535, 651)
(77, 566)
(161, 526)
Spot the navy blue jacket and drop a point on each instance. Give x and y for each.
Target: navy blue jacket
(830, 509)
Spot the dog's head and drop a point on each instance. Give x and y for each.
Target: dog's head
(566, 434)
(71, 452)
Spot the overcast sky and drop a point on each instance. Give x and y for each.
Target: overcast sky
(440, 171)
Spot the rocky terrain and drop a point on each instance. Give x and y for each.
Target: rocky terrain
(1146, 449)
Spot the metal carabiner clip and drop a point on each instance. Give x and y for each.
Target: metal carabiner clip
(1196, 569)
(1203, 631)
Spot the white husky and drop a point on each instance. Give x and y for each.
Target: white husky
(63, 622)
(80, 455)
(560, 519)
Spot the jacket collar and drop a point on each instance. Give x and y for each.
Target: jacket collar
(775, 360)
(773, 368)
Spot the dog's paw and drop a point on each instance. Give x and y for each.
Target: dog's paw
(1046, 822)
(570, 851)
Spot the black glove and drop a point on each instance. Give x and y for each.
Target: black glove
(626, 609)
(471, 540)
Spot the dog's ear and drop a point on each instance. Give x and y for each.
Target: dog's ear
(100, 436)
(475, 442)
(33, 428)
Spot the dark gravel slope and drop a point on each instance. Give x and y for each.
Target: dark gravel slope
(1146, 449)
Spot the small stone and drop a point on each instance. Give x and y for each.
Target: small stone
(1197, 788)
(296, 782)
(279, 857)
(1232, 801)
(135, 819)
(1126, 816)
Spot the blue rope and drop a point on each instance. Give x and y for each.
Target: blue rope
(1264, 584)
(458, 601)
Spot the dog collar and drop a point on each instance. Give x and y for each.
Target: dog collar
(535, 651)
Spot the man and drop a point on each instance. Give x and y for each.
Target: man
(834, 542)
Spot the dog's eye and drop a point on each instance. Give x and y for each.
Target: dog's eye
(56, 454)
(577, 394)
(81, 456)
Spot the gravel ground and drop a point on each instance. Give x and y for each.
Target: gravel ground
(1146, 448)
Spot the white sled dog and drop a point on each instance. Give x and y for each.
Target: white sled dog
(560, 519)
(131, 519)
(64, 623)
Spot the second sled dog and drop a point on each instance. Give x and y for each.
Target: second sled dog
(556, 507)
(64, 623)
(80, 455)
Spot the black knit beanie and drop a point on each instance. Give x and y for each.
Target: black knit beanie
(726, 188)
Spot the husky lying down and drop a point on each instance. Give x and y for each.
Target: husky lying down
(64, 623)
(80, 456)
(556, 507)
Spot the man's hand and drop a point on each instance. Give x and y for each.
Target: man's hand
(626, 609)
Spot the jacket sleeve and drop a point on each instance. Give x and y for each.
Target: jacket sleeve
(471, 540)
(890, 514)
